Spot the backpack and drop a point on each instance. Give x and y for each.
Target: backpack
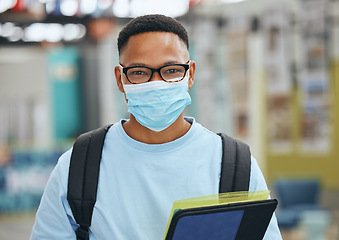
(85, 164)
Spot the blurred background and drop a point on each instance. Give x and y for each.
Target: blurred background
(267, 73)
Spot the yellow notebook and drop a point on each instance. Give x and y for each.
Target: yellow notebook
(215, 200)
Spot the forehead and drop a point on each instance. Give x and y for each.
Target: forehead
(153, 47)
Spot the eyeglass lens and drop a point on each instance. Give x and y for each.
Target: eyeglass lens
(170, 73)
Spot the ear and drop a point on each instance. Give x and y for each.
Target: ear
(118, 78)
(191, 74)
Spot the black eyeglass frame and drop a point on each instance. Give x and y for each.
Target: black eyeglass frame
(153, 70)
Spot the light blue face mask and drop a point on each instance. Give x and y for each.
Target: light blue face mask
(157, 104)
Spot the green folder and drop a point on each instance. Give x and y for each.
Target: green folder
(231, 216)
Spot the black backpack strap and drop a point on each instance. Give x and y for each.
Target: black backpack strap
(236, 165)
(83, 177)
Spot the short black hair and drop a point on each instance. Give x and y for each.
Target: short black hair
(151, 23)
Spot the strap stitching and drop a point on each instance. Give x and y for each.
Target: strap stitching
(83, 177)
(235, 165)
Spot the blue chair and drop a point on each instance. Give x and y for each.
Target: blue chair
(295, 197)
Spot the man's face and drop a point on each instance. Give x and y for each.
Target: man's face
(153, 49)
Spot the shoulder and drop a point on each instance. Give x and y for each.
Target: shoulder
(202, 131)
(207, 140)
(59, 176)
(65, 159)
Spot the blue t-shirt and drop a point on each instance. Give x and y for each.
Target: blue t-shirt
(138, 184)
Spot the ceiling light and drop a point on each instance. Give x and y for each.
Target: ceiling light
(82, 31)
(16, 35)
(6, 4)
(134, 8)
(88, 6)
(233, 1)
(71, 31)
(69, 7)
(54, 32)
(35, 32)
(7, 29)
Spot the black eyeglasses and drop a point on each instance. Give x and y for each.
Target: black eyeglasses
(168, 73)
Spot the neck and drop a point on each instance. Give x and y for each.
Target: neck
(142, 134)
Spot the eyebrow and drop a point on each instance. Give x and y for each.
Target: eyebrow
(144, 65)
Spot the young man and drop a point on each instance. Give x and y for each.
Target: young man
(152, 159)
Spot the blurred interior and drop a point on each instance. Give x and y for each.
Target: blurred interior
(267, 74)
